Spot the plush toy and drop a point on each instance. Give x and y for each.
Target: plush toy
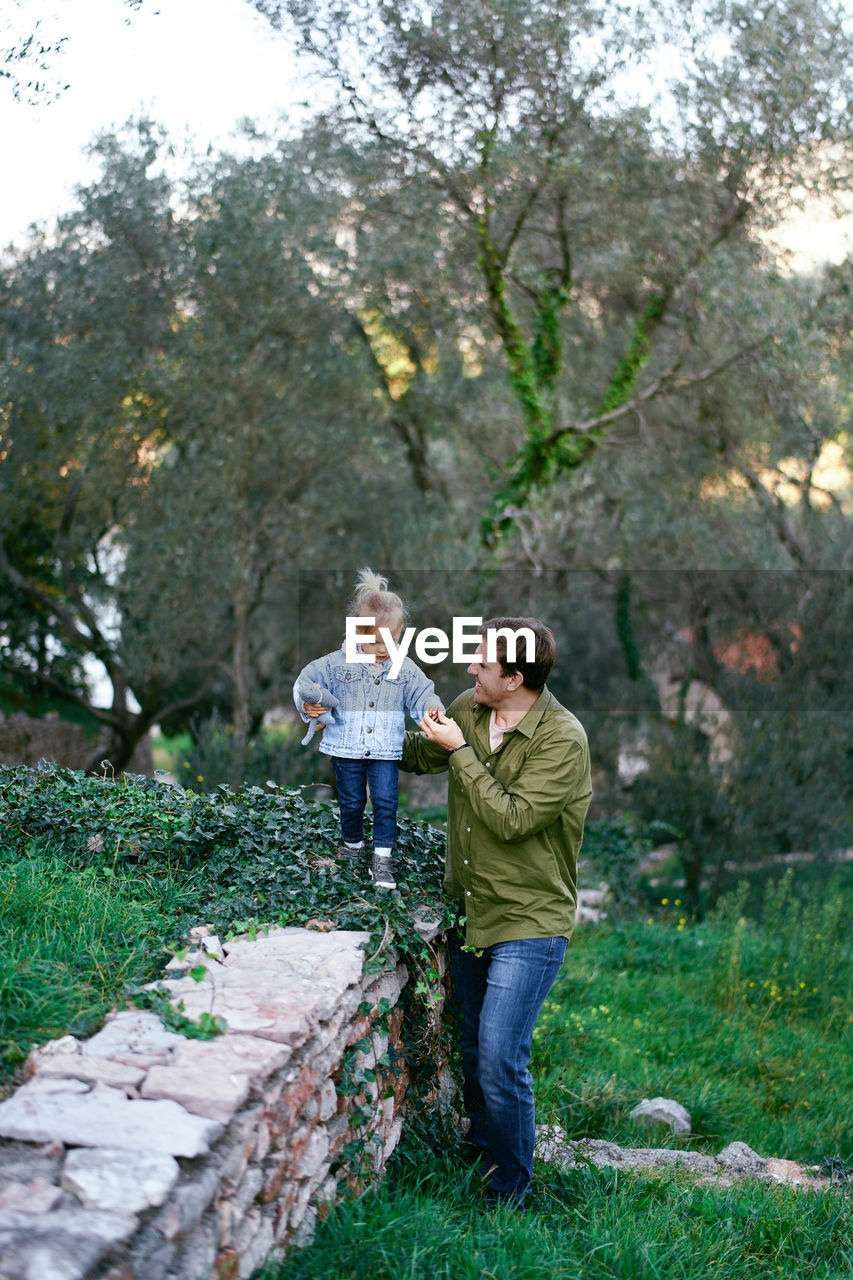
(310, 692)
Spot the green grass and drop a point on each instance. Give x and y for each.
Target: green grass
(72, 939)
(747, 1025)
(427, 1222)
(171, 754)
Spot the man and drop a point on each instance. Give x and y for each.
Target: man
(518, 793)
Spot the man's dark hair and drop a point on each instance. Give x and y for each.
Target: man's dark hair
(534, 674)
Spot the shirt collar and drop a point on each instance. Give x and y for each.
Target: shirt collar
(529, 724)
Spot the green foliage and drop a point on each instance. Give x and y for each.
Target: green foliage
(628, 369)
(615, 247)
(525, 371)
(546, 454)
(88, 313)
(261, 854)
(547, 346)
(625, 630)
(207, 1027)
(172, 492)
(749, 754)
(362, 1068)
(613, 850)
(277, 756)
(262, 849)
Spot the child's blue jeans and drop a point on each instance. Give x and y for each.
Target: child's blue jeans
(353, 778)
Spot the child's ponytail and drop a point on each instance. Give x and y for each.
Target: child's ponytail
(372, 598)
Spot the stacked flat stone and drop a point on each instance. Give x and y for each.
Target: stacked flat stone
(142, 1155)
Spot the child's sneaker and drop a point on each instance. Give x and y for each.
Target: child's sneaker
(345, 853)
(382, 871)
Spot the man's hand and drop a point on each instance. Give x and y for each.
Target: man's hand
(441, 729)
(314, 709)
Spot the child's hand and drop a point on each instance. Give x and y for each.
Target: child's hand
(434, 712)
(314, 709)
(441, 729)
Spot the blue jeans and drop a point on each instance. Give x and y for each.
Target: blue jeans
(499, 995)
(352, 778)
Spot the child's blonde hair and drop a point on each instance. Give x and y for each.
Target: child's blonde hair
(372, 598)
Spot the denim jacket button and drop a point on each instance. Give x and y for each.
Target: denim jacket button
(375, 681)
(367, 753)
(370, 731)
(371, 704)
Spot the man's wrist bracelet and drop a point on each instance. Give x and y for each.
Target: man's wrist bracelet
(459, 748)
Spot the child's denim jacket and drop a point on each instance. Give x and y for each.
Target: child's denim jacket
(370, 721)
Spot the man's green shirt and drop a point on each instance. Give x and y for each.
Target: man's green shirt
(514, 819)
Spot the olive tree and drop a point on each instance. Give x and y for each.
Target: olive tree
(600, 166)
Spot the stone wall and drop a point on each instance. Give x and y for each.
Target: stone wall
(140, 1154)
(24, 740)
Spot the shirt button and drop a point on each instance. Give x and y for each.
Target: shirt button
(467, 828)
(467, 893)
(488, 762)
(465, 860)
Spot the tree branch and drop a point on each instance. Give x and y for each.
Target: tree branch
(69, 695)
(64, 615)
(663, 385)
(181, 704)
(773, 505)
(405, 427)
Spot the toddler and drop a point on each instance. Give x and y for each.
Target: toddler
(365, 738)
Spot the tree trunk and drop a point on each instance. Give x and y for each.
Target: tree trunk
(117, 751)
(692, 863)
(240, 687)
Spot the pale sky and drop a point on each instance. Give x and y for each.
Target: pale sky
(195, 66)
